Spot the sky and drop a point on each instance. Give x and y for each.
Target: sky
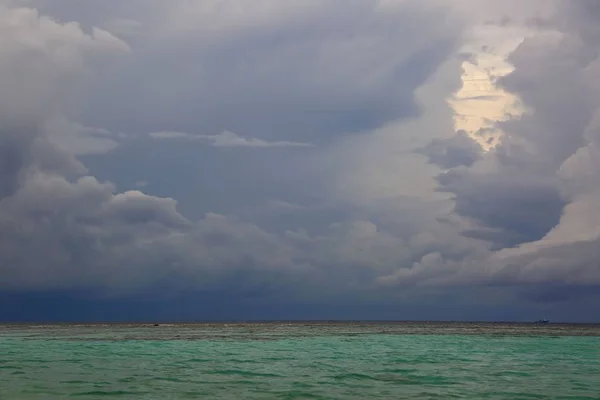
(299, 159)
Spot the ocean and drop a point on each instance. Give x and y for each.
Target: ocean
(300, 361)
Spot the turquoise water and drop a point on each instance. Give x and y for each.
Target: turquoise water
(300, 361)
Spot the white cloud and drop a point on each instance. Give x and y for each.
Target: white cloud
(226, 139)
(78, 139)
(41, 61)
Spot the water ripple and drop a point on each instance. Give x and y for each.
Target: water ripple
(299, 361)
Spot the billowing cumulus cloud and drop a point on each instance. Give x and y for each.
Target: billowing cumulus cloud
(535, 190)
(42, 61)
(333, 170)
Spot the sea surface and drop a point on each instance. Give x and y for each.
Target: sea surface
(300, 361)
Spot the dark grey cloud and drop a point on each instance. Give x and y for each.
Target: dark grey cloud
(251, 226)
(517, 207)
(304, 78)
(452, 152)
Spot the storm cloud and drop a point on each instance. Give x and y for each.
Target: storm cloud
(299, 153)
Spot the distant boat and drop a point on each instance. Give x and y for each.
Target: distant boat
(542, 321)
